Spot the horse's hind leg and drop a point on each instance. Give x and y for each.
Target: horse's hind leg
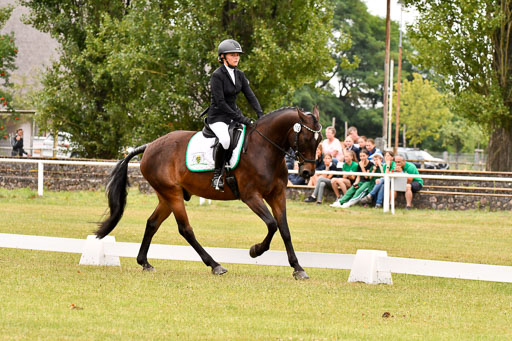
(178, 208)
(162, 211)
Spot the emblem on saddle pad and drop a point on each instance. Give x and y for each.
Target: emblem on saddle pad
(198, 159)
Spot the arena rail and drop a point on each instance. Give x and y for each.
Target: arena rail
(367, 266)
(388, 186)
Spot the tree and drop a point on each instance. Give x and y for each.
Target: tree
(423, 109)
(359, 71)
(8, 52)
(129, 74)
(467, 44)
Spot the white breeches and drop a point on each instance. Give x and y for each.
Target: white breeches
(221, 131)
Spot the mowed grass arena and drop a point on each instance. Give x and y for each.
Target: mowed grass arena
(47, 295)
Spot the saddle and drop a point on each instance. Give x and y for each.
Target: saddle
(235, 130)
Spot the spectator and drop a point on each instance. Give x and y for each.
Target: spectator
(361, 185)
(370, 145)
(349, 145)
(17, 144)
(413, 184)
(296, 179)
(331, 144)
(362, 142)
(319, 156)
(322, 180)
(352, 132)
(378, 190)
(346, 181)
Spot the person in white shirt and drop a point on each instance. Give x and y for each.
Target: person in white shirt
(331, 145)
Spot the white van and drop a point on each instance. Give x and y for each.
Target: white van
(42, 146)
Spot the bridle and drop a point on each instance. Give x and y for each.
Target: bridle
(297, 128)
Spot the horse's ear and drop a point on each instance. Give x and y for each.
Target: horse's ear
(316, 113)
(302, 116)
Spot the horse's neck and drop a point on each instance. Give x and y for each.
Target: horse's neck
(277, 129)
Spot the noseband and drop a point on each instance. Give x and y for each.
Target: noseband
(297, 128)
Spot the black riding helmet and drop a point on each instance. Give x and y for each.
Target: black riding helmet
(229, 46)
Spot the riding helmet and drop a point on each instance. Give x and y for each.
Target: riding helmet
(229, 46)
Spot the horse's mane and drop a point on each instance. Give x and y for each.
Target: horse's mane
(283, 109)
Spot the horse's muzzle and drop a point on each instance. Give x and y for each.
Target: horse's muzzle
(306, 173)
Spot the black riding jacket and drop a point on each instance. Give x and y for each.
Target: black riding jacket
(223, 107)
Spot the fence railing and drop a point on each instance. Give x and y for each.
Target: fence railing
(389, 178)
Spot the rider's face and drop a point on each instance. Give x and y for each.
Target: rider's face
(233, 58)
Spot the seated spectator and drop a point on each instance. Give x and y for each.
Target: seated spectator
(296, 179)
(290, 158)
(322, 180)
(345, 182)
(370, 145)
(413, 184)
(352, 132)
(361, 185)
(378, 190)
(319, 156)
(362, 142)
(331, 144)
(349, 145)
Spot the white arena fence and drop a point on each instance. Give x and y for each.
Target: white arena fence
(389, 178)
(367, 266)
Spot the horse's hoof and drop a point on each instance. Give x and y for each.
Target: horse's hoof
(148, 268)
(252, 252)
(219, 270)
(300, 275)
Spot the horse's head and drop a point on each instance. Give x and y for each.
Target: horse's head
(307, 137)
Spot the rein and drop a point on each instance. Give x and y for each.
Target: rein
(297, 128)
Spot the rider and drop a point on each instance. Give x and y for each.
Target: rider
(226, 83)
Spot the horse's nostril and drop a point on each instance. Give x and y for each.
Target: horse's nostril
(305, 174)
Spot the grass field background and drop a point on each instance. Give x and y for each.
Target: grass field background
(48, 295)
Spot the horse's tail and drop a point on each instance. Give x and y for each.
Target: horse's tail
(116, 191)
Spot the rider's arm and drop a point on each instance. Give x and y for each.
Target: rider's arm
(251, 97)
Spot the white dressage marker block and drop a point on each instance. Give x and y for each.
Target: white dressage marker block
(364, 268)
(94, 252)
(203, 201)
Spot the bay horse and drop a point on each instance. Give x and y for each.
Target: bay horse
(261, 174)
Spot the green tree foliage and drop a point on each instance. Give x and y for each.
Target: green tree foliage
(129, 74)
(458, 135)
(8, 52)
(423, 110)
(359, 92)
(468, 45)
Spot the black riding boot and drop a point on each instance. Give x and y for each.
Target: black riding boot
(218, 179)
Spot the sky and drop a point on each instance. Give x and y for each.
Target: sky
(378, 7)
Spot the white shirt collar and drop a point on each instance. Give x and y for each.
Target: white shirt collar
(231, 73)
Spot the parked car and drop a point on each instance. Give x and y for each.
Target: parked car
(419, 157)
(43, 146)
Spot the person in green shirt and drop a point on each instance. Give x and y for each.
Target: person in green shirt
(413, 184)
(345, 182)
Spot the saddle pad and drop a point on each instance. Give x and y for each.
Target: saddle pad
(199, 157)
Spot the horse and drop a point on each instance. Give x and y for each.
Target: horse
(261, 174)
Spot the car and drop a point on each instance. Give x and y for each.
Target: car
(421, 157)
(43, 146)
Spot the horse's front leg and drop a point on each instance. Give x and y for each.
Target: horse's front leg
(278, 204)
(257, 205)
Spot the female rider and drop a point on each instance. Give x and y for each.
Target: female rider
(226, 83)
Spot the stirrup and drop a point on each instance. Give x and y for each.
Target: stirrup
(218, 182)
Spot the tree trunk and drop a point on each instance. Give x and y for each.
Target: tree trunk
(499, 157)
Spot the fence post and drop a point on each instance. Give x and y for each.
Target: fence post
(385, 207)
(40, 177)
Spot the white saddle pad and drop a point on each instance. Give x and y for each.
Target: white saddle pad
(199, 156)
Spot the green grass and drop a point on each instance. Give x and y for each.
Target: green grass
(182, 300)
